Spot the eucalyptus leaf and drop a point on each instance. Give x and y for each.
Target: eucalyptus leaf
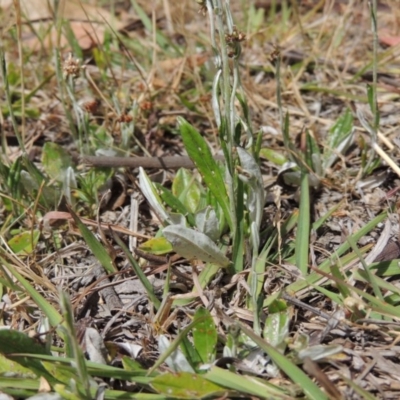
(192, 244)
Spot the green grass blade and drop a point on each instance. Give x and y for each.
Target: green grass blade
(291, 370)
(245, 384)
(370, 276)
(95, 246)
(325, 266)
(201, 155)
(51, 313)
(303, 229)
(140, 274)
(82, 381)
(162, 40)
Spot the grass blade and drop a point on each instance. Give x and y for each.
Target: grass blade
(140, 274)
(201, 155)
(51, 313)
(95, 246)
(290, 369)
(303, 229)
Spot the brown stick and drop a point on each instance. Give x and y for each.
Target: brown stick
(167, 162)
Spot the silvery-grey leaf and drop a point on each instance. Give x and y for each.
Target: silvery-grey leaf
(341, 149)
(152, 196)
(106, 152)
(215, 98)
(255, 196)
(207, 223)
(192, 244)
(95, 346)
(177, 219)
(69, 183)
(132, 349)
(249, 164)
(177, 360)
(320, 351)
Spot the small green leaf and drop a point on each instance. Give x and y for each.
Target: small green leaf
(187, 189)
(313, 154)
(24, 242)
(185, 385)
(132, 365)
(274, 156)
(205, 336)
(157, 246)
(190, 353)
(56, 160)
(207, 223)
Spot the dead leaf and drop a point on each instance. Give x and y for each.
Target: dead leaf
(87, 22)
(388, 39)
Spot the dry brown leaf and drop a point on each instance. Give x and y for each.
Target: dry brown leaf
(4, 4)
(389, 40)
(87, 22)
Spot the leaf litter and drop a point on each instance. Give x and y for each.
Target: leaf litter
(326, 56)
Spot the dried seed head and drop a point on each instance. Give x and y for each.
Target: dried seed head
(235, 37)
(72, 67)
(125, 118)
